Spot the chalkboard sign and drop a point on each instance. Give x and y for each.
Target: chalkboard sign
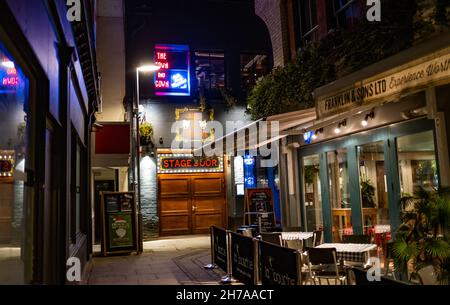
(243, 258)
(259, 205)
(119, 223)
(220, 248)
(279, 265)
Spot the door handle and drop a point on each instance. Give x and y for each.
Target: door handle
(194, 208)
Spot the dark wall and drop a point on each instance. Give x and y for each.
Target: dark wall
(44, 40)
(229, 26)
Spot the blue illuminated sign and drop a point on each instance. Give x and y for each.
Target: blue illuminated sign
(173, 79)
(308, 137)
(249, 172)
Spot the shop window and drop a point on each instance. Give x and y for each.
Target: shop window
(312, 193)
(339, 193)
(253, 68)
(210, 72)
(348, 12)
(78, 188)
(417, 163)
(307, 21)
(373, 186)
(14, 107)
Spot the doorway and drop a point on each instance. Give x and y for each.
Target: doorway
(191, 204)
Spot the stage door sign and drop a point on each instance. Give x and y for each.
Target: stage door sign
(259, 204)
(119, 223)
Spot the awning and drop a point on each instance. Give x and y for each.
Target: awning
(286, 122)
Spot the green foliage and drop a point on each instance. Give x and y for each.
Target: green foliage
(145, 133)
(423, 239)
(310, 173)
(291, 87)
(367, 194)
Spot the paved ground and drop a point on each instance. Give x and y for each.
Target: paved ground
(169, 261)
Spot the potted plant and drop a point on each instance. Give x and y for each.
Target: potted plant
(146, 134)
(423, 239)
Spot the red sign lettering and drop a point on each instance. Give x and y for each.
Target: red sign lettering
(10, 81)
(161, 55)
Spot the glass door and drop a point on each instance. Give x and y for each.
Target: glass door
(341, 210)
(374, 190)
(312, 193)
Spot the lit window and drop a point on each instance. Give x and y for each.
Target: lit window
(253, 68)
(210, 70)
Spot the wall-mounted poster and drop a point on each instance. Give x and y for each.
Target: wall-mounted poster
(121, 230)
(119, 223)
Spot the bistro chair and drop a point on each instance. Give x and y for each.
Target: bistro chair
(273, 238)
(388, 259)
(360, 279)
(356, 239)
(296, 244)
(317, 238)
(293, 229)
(322, 264)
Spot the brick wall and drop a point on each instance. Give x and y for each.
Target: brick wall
(149, 201)
(272, 12)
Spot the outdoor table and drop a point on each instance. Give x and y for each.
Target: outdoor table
(296, 235)
(353, 253)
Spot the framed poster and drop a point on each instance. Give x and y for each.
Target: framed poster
(119, 223)
(259, 204)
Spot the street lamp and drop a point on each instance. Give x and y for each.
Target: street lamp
(142, 69)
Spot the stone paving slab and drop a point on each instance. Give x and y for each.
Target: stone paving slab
(169, 261)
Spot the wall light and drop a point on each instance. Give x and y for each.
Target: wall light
(365, 122)
(317, 133)
(338, 129)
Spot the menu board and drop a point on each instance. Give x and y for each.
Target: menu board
(119, 223)
(259, 205)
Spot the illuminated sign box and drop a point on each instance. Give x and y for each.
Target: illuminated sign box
(173, 79)
(171, 164)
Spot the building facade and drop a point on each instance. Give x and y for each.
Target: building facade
(48, 94)
(354, 158)
(217, 55)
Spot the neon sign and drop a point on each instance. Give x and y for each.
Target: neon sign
(173, 79)
(8, 75)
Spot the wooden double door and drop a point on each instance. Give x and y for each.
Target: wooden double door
(191, 204)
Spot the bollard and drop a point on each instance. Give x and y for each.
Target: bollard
(211, 265)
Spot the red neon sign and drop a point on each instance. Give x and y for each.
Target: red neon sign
(162, 84)
(10, 81)
(161, 55)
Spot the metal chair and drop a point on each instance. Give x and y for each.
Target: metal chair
(273, 238)
(356, 239)
(296, 244)
(317, 238)
(322, 264)
(293, 229)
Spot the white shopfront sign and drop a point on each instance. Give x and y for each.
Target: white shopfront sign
(410, 77)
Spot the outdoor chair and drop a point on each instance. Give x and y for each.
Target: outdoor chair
(388, 259)
(293, 229)
(317, 238)
(356, 239)
(360, 278)
(296, 244)
(273, 238)
(322, 264)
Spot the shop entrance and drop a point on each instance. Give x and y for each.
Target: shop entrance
(191, 203)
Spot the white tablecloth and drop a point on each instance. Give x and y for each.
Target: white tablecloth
(296, 235)
(351, 252)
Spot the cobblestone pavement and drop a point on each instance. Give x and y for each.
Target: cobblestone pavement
(168, 261)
